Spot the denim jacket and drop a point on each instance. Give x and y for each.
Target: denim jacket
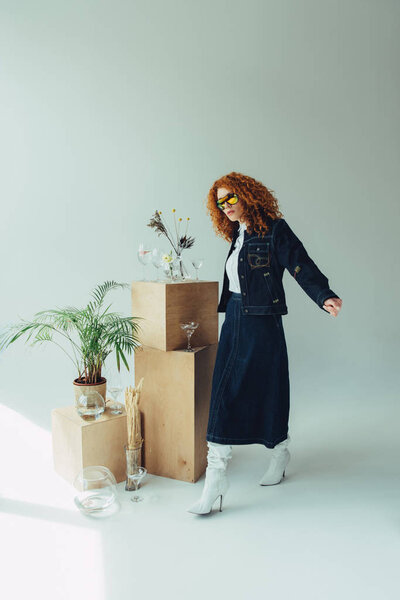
(261, 263)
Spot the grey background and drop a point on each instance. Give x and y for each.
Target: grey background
(112, 110)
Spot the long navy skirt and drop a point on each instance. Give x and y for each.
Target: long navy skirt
(250, 386)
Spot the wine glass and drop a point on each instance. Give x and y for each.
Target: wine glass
(115, 390)
(156, 259)
(136, 478)
(197, 263)
(144, 256)
(189, 328)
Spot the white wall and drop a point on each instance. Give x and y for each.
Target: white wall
(110, 110)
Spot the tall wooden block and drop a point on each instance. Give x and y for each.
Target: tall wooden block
(175, 403)
(78, 443)
(162, 306)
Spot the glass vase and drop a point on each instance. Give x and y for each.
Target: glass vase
(90, 405)
(134, 471)
(180, 271)
(168, 272)
(96, 489)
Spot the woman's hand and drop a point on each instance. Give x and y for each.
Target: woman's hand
(333, 305)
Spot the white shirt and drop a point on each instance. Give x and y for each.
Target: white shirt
(232, 262)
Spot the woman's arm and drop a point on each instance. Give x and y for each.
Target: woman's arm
(292, 255)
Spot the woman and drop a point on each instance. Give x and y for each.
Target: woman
(250, 387)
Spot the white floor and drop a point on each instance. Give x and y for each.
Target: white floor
(330, 530)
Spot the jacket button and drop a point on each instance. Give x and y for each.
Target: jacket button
(241, 259)
(242, 276)
(244, 293)
(245, 310)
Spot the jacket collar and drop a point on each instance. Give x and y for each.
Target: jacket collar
(246, 237)
(250, 236)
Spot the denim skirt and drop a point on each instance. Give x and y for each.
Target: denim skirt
(250, 386)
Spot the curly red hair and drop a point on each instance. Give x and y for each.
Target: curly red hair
(257, 200)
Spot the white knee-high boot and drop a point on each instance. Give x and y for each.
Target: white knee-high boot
(279, 460)
(216, 484)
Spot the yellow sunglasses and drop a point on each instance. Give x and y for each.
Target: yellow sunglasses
(229, 198)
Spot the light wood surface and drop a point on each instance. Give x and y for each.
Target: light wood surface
(78, 443)
(174, 405)
(163, 306)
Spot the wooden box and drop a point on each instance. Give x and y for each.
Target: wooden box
(78, 443)
(162, 306)
(174, 407)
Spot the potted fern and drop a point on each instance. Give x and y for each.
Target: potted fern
(91, 333)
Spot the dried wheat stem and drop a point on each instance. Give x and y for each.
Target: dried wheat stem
(132, 397)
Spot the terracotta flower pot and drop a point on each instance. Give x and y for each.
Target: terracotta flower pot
(101, 388)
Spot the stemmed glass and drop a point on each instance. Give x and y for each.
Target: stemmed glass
(144, 256)
(137, 478)
(156, 259)
(115, 390)
(134, 471)
(197, 263)
(189, 328)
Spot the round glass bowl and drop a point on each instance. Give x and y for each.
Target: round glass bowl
(90, 405)
(96, 489)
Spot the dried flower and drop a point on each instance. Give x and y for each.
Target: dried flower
(182, 242)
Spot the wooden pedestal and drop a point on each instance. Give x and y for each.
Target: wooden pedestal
(162, 306)
(175, 405)
(78, 443)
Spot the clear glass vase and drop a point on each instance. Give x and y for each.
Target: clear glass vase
(90, 405)
(180, 270)
(134, 471)
(168, 272)
(96, 489)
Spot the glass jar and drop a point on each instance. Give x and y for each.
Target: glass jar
(96, 489)
(90, 405)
